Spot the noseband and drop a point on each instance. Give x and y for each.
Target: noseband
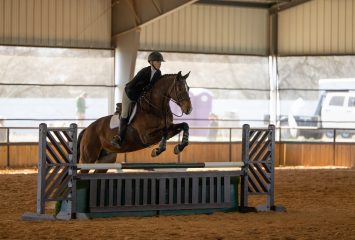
(184, 95)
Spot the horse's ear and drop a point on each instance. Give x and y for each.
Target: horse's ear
(187, 75)
(179, 74)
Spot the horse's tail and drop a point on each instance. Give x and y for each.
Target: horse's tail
(78, 145)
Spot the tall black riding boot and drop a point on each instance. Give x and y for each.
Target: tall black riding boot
(117, 140)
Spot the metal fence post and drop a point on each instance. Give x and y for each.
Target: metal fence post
(245, 159)
(334, 147)
(73, 158)
(270, 196)
(8, 146)
(230, 144)
(41, 177)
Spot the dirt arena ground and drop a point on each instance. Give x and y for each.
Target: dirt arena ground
(320, 204)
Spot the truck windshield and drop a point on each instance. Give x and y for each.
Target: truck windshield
(337, 101)
(351, 102)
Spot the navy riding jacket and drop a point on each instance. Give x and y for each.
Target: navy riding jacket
(135, 87)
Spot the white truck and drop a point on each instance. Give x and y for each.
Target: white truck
(335, 109)
(338, 111)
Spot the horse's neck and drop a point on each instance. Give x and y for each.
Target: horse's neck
(161, 90)
(156, 101)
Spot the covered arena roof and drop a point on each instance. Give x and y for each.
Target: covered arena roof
(301, 27)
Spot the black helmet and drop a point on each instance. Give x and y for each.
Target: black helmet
(155, 56)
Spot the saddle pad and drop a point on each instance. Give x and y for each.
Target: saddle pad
(115, 119)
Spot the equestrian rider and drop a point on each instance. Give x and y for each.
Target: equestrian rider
(145, 77)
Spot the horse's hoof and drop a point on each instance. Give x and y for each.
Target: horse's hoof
(176, 149)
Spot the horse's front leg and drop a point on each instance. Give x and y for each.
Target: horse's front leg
(161, 148)
(185, 137)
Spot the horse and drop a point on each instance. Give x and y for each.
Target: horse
(152, 123)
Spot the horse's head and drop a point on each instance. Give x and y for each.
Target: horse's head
(180, 93)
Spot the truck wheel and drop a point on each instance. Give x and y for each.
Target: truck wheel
(345, 135)
(317, 135)
(329, 134)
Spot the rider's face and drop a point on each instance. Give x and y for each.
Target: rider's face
(156, 64)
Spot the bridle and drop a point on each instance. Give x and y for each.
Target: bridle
(184, 95)
(179, 96)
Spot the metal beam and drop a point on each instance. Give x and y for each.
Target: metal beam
(283, 6)
(247, 4)
(133, 8)
(157, 6)
(130, 15)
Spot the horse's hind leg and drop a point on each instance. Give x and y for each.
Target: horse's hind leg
(89, 157)
(106, 157)
(90, 149)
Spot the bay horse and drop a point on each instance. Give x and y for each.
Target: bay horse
(152, 123)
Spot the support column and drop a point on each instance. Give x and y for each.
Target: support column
(274, 94)
(126, 48)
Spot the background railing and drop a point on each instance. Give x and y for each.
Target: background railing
(295, 146)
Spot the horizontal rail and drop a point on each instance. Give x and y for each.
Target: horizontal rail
(104, 166)
(158, 174)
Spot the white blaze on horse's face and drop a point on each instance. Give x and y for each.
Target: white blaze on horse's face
(182, 94)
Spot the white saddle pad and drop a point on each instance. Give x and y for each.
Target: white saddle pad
(115, 119)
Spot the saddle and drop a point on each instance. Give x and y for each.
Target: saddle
(144, 104)
(115, 119)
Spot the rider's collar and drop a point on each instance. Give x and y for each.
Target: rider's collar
(153, 70)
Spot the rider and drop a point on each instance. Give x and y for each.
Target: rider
(133, 90)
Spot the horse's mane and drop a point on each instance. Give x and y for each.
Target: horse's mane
(146, 92)
(149, 89)
(168, 75)
(163, 76)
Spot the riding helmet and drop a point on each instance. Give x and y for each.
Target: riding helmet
(155, 56)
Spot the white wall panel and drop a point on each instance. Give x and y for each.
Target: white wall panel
(318, 27)
(58, 23)
(209, 29)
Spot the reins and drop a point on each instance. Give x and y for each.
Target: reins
(173, 87)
